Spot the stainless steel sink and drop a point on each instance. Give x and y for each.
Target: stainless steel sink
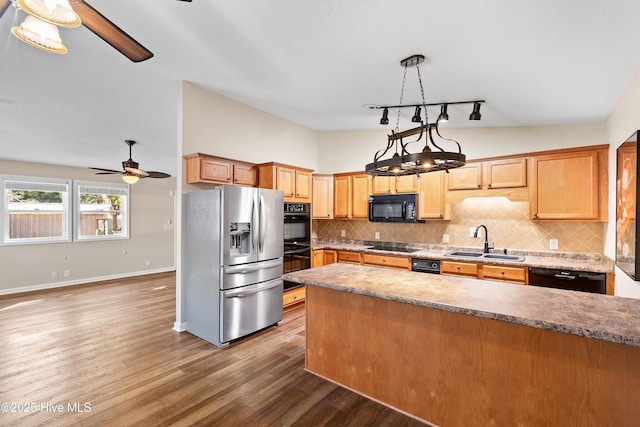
(465, 254)
(480, 255)
(504, 257)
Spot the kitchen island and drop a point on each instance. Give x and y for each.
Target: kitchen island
(455, 351)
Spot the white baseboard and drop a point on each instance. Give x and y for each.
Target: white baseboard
(180, 326)
(82, 281)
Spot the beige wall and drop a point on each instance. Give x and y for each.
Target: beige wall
(213, 124)
(623, 121)
(27, 267)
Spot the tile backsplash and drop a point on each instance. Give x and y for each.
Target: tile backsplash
(507, 222)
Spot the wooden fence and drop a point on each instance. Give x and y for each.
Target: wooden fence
(34, 225)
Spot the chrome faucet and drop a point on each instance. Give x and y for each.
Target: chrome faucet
(486, 238)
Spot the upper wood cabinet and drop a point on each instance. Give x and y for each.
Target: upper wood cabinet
(569, 186)
(394, 184)
(468, 177)
(351, 195)
(293, 181)
(322, 204)
(493, 174)
(431, 198)
(202, 168)
(507, 173)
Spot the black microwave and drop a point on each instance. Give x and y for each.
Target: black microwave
(393, 208)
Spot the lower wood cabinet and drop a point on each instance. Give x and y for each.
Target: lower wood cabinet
(459, 268)
(322, 257)
(350, 257)
(386, 261)
(502, 273)
(293, 297)
(505, 273)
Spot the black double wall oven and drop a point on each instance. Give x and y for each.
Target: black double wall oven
(297, 239)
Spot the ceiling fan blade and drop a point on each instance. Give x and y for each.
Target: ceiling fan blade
(110, 32)
(154, 174)
(4, 4)
(105, 171)
(138, 172)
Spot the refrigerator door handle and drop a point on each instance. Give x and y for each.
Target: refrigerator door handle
(240, 293)
(242, 269)
(253, 226)
(262, 225)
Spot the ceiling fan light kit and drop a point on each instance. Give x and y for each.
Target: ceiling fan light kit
(39, 28)
(56, 12)
(130, 178)
(402, 162)
(40, 34)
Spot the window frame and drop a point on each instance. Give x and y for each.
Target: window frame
(43, 183)
(120, 189)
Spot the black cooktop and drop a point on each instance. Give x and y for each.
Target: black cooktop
(383, 247)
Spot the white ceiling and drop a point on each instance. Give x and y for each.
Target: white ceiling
(316, 63)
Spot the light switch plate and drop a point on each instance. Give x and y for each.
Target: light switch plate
(445, 238)
(377, 235)
(472, 231)
(553, 243)
(343, 233)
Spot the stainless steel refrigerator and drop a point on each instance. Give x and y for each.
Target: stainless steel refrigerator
(232, 261)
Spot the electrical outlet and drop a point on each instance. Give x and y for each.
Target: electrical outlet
(445, 238)
(377, 235)
(553, 243)
(472, 231)
(66, 273)
(147, 263)
(343, 233)
(54, 274)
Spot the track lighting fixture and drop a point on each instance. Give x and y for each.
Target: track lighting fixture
(385, 117)
(402, 162)
(475, 115)
(444, 116)
(416, 116)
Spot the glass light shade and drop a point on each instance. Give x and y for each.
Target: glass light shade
(40, 34)
(130, 179)
(57, 12)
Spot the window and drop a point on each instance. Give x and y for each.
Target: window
(101, 211)
(35, 210)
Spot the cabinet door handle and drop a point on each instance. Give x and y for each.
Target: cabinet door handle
(489, 185)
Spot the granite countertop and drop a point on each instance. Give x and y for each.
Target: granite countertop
(596, 263)
(608, 318)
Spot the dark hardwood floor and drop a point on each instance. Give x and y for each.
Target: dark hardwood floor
(106, 354)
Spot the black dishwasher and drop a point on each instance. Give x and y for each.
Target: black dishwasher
(583, 281)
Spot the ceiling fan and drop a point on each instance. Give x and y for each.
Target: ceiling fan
(130, 172)
(43, 14)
